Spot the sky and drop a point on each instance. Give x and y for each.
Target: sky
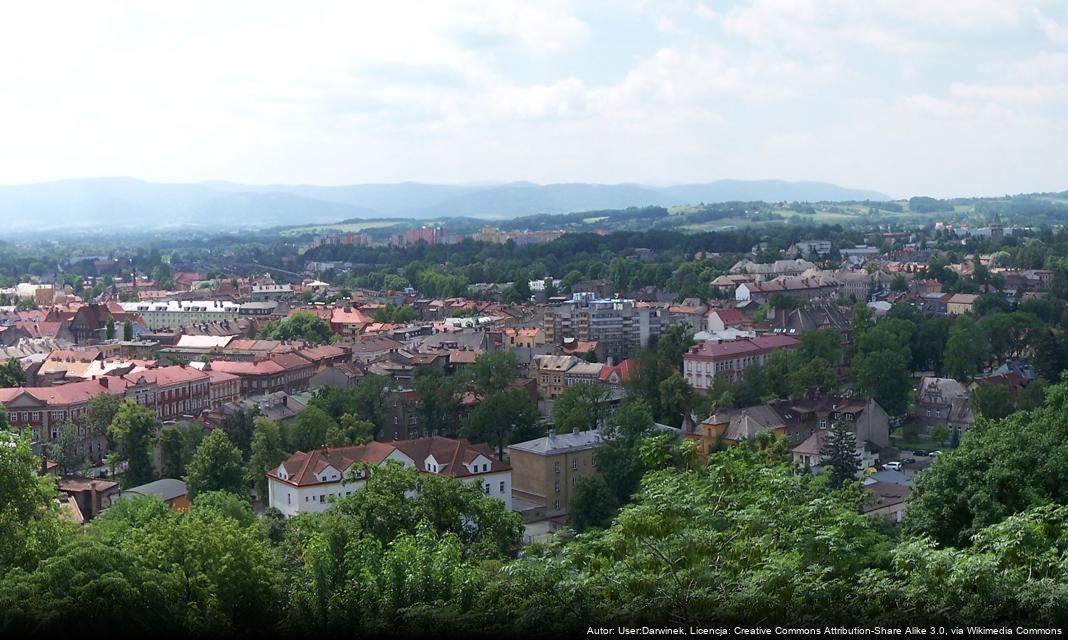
(909, 97)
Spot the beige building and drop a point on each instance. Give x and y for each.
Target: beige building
(960, 303)
(545, 472)
(551, 374)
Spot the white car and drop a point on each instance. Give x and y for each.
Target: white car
(894, 466)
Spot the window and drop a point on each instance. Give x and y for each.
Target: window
(557, 467)
(556, 505)
(823, 424)
(574, 465)
(502, 486)
(289, 498)
(557, 488)
(322, 498)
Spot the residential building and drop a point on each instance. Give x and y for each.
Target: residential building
(943, 401)
(550, 372)
(620, 325)
(308, 482)
(545, 472)
(960, 303)
(709, 360)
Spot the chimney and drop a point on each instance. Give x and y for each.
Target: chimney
(104, 381)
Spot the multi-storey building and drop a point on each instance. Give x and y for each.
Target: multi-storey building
(712, 359)
(184, 313)
(545, 472)
(309, 482)
(619, 325)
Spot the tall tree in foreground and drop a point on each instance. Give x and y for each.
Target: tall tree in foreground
(30, 527)
(11, 374)
(839, 454)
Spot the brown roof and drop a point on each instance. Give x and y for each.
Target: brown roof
(302, 467)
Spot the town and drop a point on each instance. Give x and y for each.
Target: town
(533, 318)
(855, 356)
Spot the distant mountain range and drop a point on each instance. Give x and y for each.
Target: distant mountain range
(128, 202)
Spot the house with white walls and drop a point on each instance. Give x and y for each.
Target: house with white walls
(308, 482)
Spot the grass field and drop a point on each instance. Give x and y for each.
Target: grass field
(352, 227)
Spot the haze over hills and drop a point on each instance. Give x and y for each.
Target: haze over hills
(125, 202)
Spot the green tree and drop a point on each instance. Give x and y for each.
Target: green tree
(825, 343)
(817, 372)
(1001, 467)
(308, 430)
(675, 341)
(939, 434)
(992, 401)
(109, 328)
(239, 427)
(11, 374)
(493, 371)
(581, 407)
(217, 466)
(965, 350)
(884, 377)
(593, 504)
(839, 454)
(498, 416)
(438, 400)
(133, 427)
(350, 431)
(127, 330)
(302, 325)
(177, 445)
(30, 528)
(268, 452)
(677, 399)
(101, 412)
(66, 450)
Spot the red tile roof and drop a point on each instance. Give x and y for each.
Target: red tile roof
(712, 350)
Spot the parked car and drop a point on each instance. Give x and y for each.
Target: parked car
(908, 461)
(894, 466)
(918, 452)
(936, 453)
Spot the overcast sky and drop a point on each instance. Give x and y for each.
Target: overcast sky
(947, 97)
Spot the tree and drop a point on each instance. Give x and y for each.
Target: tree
(101, 412)
(675, 341)
(239, 428)
(992, 401)
(939, 434)
(839, 454)
(109, 328)
(677, 399)
(267, 453)
(438, 400)
(493, 371)
(644, 383)
(11, 374)
(30, 528)
(177, 445)
(965, 349)
(498, 416)
(302, 325)
(884, 377)
(217, 466)
(372, 395)
(817, 372)
(308, 430)
(350, 431)
(581, 407)
(825, 343)
(593, 504)
(133, 427)
(66, 450)
(127, 330)
(1001, 467)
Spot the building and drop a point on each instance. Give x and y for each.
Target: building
(619, 325)
(545, 472)
(550, 372)
(943, 401)
(960, 303)
(170, 392)
(308, 482)
(169, 490)
(709, 360)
